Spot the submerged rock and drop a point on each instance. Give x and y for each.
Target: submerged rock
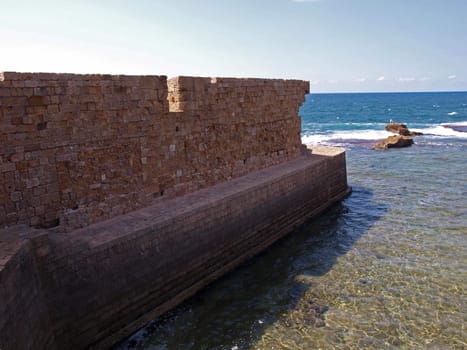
(308, 313)
(456, 127)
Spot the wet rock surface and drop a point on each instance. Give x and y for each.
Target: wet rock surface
(395, 141)
(398, 128)
(308, 313)
(404, 137)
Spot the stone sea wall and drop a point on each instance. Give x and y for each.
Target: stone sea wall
(121, 196)
(89, 288)
(24, 315)
(78, 149)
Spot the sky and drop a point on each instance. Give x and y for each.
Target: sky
(338, 45)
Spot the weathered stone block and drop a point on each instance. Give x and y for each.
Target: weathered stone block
(107, 118)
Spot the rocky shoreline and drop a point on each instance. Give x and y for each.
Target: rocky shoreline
(403, 137)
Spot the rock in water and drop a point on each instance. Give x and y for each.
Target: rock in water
(401, 129)
(395, 141)
(403, 139)
(398, 128)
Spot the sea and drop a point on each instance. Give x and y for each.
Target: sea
(386, 268)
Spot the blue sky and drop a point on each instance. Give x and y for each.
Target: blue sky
(339, 45)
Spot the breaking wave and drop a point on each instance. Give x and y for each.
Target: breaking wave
(450, 130)
(445, 130)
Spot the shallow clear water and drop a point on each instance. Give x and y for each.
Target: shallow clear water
(384, 269)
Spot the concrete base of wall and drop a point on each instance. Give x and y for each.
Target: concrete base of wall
(92, 287)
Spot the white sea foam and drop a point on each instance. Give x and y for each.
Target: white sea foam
(452, 113)
(441, 131)
(314, 139)
(351, 135)
(365, 124)
(463, 123)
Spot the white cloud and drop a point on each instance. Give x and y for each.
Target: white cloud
(332, 81)
(424, 78)
(360, 80)
(452, 76)
(406, 79)
(381, 78)
(314, 82)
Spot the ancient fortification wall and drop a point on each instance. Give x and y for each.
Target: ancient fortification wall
(24, 314)
(123, 196)
(77, 149)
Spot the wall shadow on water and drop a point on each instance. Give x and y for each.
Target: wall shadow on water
(233, 312)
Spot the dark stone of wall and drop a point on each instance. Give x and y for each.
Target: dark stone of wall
(24, 316)
(91, 287)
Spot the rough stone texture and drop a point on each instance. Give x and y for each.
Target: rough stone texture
(395, 141)
(146, 191)
(78, 149)
(397, 128)
(403, 139)
(401, 129)
(24, 317)
(104, 281)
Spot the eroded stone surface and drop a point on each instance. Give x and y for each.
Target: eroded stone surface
(78, 149)
(395, 141)
(403, 139)
(91, 287)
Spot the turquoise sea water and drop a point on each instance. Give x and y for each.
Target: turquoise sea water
(384, 269)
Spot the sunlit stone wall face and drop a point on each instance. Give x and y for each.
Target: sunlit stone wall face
(78, 149)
